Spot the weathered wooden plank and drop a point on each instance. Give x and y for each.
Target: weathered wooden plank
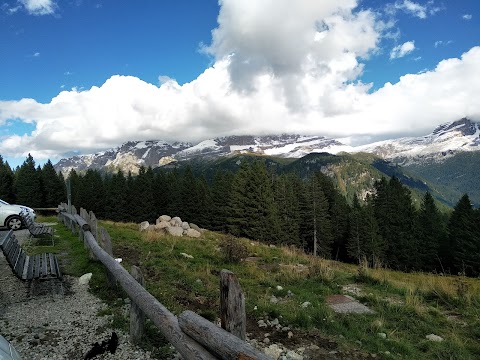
(137, 317)
(36, 268)
(163, 319)
(30, 270)
(232, 305)
(44, 272)
(227, 346)
(105, 243)
(19, 264)
(25, 268)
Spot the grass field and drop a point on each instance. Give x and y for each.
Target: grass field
(407, 306)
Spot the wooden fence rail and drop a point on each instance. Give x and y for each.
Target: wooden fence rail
(193, 337)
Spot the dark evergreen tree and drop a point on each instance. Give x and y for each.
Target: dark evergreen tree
(6, 182)
(221, 190)
(116, 206)
(189, 197)
(73, 181)
(464, 238)
(395, 216)
(430, 233)
(91, 193)
(287, 201)
(28, 184)
(53, 186)
(365, 241)
(143, 203)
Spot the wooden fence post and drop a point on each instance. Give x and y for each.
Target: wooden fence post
(137, 317)
(105, 243)
(93, 225)
(232, 305)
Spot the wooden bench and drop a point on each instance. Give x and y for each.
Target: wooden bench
(36, 229)
(41, 266)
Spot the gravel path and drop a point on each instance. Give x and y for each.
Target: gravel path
(55, 319)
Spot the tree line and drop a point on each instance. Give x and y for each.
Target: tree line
(385, 228)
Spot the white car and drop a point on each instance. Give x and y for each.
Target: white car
(10, 215)
(7, 351)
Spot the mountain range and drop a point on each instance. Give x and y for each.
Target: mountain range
(429, 159)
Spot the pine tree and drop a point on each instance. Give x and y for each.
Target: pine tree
(430, 233)
(117, 206)
(464, 238)
(6, 182)
(54, 187)
(221, 191)
(286, 198)
(28, 184)
(91, 193)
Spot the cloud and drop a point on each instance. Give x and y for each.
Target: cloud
(402, 50)
(467, 17)
(442, 43)
(413, 8)
(37, 54)
(39, 7)
(257, 85)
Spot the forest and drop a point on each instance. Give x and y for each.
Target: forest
(255, 202)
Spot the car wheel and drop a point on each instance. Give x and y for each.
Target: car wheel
(14, 223)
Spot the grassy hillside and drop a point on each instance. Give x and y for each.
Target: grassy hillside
(407, 306)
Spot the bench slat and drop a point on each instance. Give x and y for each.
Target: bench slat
(20, 263)
(26, 266)
(36, 268)
(44, 266)
(31, 265)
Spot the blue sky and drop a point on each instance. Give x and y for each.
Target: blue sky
(82, 76)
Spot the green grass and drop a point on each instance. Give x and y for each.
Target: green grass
(407, 306)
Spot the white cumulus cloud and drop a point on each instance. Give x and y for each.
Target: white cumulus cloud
(467, 17)
(402, 50)
(39, 7)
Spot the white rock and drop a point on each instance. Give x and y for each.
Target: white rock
(273, 351)
(274, 299)
(292, 355)
(165, 218)
(382, 335)
(85, 279)
(290, 334)
(193, 233)
(433, 337)
(279, 287)
(174, 231)
(162, 224)
(186, 255)
(185, 225)
(306, 304)
(274, 322)
(176, 221)
(119, 260)
(144, 225)
(261, 323)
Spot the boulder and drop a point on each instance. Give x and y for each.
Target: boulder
(144, 225)
(162, 225)
(164, 218)
(151, 228)
(274, 351)
(195, 227)
(185, 225)
(193, 233)
(435, 338)
(174, 231)
(85, 279)
(176, 221)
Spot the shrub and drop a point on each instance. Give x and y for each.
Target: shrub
(232, 249)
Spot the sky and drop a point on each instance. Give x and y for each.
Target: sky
(81, 76)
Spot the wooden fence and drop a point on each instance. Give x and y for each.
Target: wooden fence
(190, 334)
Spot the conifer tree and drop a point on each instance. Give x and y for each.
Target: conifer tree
(221, 190)
(53, 186)
(6, 182)
(117, 206)
(464, 238)
(287, 201)
(430, 233)
(91, 193)
(28, 184)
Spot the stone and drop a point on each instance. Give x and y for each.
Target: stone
(165, 218)
(279, 287)
(433, 337)
(290, 334)
(193, 233)
(174, 231)
(382, 335)
(195, 227)
(185, 225)
(186, 255)
(85, 279)
(162, 225)
(144, 225)
(306, 304)
(261, 323)
(274, 322)
(273, 351)
(292, 355)
(273, 299)
(176, 221)
(151, 227)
